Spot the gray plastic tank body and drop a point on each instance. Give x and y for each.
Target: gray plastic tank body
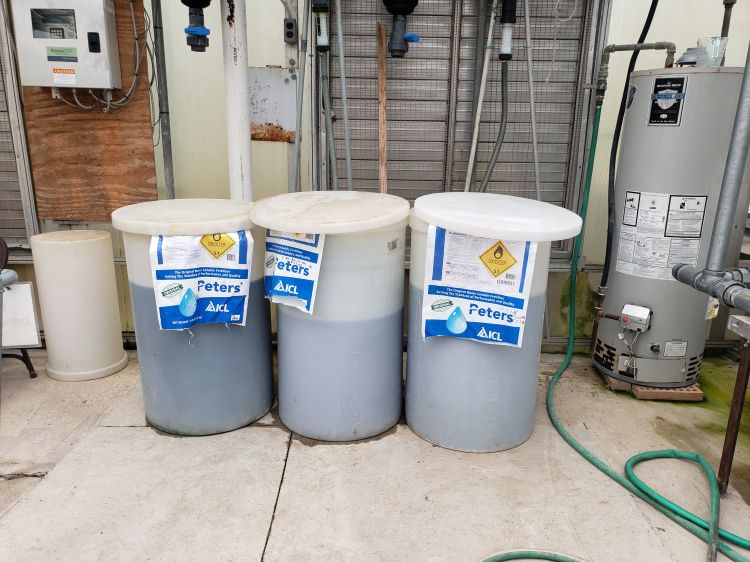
(347, 391)
(210, 379)
(471, 396)
(341, 368)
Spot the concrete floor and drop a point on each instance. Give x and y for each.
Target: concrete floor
(83, 478)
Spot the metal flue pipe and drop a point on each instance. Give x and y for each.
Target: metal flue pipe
(714, 280)
(731, 183)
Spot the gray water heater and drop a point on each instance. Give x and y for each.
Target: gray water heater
(674, 146)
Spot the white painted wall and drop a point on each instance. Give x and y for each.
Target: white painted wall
(196, 100)
(679, 21)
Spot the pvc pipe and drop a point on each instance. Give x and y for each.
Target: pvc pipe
(532, 102)
(344, 99)
(236, 78)
(731, 183)
(300, 97)
(482, 88)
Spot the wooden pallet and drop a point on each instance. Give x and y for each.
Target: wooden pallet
(692, 393)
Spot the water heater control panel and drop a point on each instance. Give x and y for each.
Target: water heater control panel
(67, 43)
(635, 318)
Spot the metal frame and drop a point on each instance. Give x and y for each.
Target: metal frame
(18, 129)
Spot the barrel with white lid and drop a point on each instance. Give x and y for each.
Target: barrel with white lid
(210, 378)
(470, 395)
(75, 280)
(341, 367)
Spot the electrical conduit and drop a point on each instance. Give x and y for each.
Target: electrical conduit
(300, 97)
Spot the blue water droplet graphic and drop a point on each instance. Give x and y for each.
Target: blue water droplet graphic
(456, 322)
(188, 304)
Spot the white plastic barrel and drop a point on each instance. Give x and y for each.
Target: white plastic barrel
(341, 368)
(468, 395)
(211, 378)
(75, 281)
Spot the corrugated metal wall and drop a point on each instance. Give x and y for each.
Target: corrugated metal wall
(429, 128)
(12, 222)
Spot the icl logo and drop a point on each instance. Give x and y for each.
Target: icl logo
(217, 307)
(288, 288)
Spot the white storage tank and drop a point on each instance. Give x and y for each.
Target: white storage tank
(75, 280)
(206, 378)
(340, 363)
(481, 259)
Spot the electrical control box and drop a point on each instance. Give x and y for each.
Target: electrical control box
(635, 318)
(67, 43)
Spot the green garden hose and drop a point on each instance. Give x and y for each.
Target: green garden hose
(708, 531)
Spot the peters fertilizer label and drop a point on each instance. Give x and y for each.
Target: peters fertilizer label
(292, 268)
(476, 288)
(201, 279)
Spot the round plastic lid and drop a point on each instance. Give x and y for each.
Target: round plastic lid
(183, 217)
(497, 216)
(329, 212)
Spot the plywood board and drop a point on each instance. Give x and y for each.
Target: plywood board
(85, 164)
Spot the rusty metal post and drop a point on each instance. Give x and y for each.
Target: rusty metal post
(735, 416)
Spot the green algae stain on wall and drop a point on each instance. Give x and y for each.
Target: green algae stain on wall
(585, 300)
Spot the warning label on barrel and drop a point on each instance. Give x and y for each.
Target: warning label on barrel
(476, 288)
(292, 268)
(201, 279)
(659, 231)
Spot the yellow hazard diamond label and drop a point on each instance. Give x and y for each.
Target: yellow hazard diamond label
(217, 244)
(498, 259)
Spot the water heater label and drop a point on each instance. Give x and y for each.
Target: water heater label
(659, 231)
(667, 100)
(476, 288)
(201, 279)
(686, 214)
(675, 348)
(292, 268)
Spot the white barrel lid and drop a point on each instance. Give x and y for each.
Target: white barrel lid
(329, 212)
(183, 217)
(502, 217)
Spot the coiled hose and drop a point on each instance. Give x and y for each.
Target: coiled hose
(707, 530)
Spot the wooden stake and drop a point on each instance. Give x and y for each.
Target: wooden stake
(382, 117)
